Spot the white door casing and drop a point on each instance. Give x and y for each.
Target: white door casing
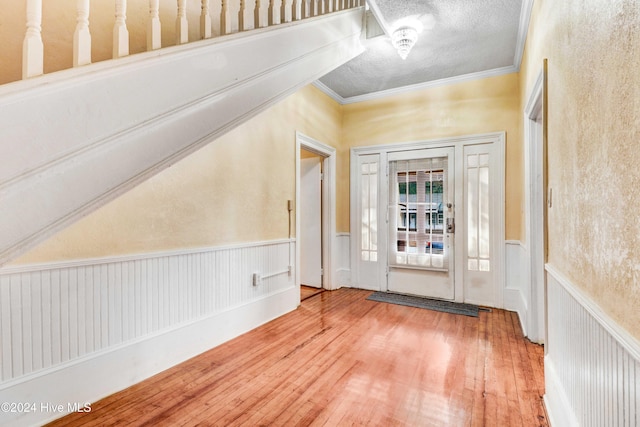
(534, 288)
(328, 155)
(310, 239)
(490, 292)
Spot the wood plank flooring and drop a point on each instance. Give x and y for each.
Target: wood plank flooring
(308, 292)
(340, 360)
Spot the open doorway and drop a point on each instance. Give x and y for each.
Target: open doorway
(310, 238)
(315, 215)
(535, 202)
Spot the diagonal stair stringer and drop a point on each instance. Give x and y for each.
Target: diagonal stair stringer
(72, 141)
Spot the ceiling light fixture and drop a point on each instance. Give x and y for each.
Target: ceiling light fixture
(403, 40)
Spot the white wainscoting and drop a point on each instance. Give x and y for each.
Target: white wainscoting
(592, 365)
(343, 269)
(78, 331)
(516, 289)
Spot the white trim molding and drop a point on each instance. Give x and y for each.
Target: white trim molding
(497, 139)
(535, 117)
(344, 265)
(77, 332)
(329, 243)
(592, 365)
(415, 87)
(515, 282)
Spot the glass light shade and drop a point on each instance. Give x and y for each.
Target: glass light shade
(403, 40)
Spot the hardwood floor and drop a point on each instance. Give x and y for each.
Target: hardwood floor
(341, 360)
(308, 292)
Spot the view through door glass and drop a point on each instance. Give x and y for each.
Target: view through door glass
(417, 200)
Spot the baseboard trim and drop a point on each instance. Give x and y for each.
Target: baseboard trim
(558, 408)
(514, 301)
(132, 361)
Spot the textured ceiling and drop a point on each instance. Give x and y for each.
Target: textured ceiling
(457, 38)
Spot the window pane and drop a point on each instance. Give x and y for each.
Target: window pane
(472, 213)
(483, 210)
(416, 202)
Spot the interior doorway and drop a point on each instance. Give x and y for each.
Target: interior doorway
(315, 215)
(310, 238)
(536, 200)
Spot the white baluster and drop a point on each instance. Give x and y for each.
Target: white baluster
(313, 10)
(82, 36)
(205, 21)
(271, 13)
(304, 10)
(283, 12)
(182, 26)
(296, 12)
(258, 18)
(120, 32)
(336, 5)
(241, 25)
(32, 48)
(154, 35)
(225, 19)
(327, 6)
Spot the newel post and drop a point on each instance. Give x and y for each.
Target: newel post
(32, 48)
(154, 35)
(120, 32)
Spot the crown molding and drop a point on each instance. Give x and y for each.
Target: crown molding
(410, 88)
(523, 29)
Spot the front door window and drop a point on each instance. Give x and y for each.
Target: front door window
(417, 194)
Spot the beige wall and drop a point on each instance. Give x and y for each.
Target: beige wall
(233, 190)
(479, 106)
(593, 51)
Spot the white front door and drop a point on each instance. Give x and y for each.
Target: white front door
(421, 222)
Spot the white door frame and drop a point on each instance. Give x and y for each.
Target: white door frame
(328, 155)
(459, 143)
(535, 142)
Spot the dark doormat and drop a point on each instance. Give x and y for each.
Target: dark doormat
(429, 304)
